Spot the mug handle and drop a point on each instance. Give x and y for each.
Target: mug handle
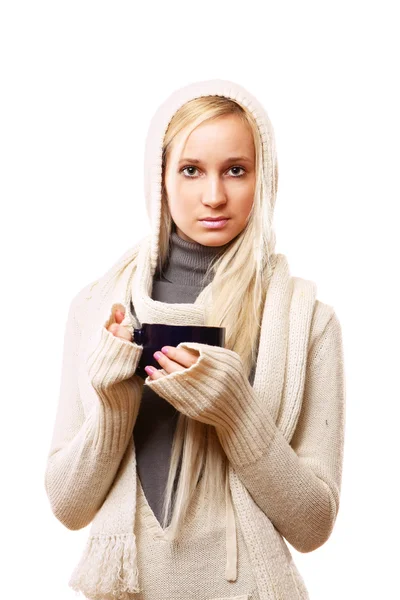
(137, 336)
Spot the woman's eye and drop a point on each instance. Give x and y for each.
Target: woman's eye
(183, 170)
(195, 169)
(241, 168)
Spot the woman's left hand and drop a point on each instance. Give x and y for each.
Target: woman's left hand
(209, 384)
(204, 382)
(172, 359)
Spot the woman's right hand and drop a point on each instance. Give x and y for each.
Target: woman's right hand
(110, 361)
(121, 331)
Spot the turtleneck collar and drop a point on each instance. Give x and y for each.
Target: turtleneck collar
(188, 261)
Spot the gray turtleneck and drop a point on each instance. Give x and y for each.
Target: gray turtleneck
(180, 282)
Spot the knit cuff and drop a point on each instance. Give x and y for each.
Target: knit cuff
(216, 391)
(113, 359)
(111, 364)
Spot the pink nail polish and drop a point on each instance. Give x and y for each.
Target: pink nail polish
(149, 370)
(164, 350)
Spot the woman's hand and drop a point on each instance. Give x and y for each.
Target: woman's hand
(121, 331)
(112, 356)
(172, 359)
(204, 382)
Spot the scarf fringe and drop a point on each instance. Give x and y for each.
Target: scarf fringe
(107, 569)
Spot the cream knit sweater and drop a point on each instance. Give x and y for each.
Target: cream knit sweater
(283, 436)
(191, 566)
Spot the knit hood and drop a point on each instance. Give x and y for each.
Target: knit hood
(154, 142)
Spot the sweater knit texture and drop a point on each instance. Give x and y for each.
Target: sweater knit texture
(282, 431)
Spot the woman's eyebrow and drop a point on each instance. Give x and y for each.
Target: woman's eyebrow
(230, 159)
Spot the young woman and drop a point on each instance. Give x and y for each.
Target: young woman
(195, 478)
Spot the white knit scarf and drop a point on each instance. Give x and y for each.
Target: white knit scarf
(108, 566)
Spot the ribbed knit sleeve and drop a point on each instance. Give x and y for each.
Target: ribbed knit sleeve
(296, 484)
(87, 447)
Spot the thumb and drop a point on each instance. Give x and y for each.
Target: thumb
(119, 316)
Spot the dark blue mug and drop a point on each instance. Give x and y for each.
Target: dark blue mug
(153, 336)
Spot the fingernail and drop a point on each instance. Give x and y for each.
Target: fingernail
(157, 355)
(149, 370)
(164, 350)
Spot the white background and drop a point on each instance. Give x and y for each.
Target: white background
(80, 82)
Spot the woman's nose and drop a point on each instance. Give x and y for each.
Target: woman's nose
(214, 193)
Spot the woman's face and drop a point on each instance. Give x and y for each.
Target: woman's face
(214, 177)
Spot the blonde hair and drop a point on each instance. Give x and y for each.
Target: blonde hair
(234, 300)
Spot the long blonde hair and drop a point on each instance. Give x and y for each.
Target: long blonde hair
(234, 300)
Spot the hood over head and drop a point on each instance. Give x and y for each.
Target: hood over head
(155, 137)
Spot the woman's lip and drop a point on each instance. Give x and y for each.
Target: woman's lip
(214, 224)
(221, 219)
